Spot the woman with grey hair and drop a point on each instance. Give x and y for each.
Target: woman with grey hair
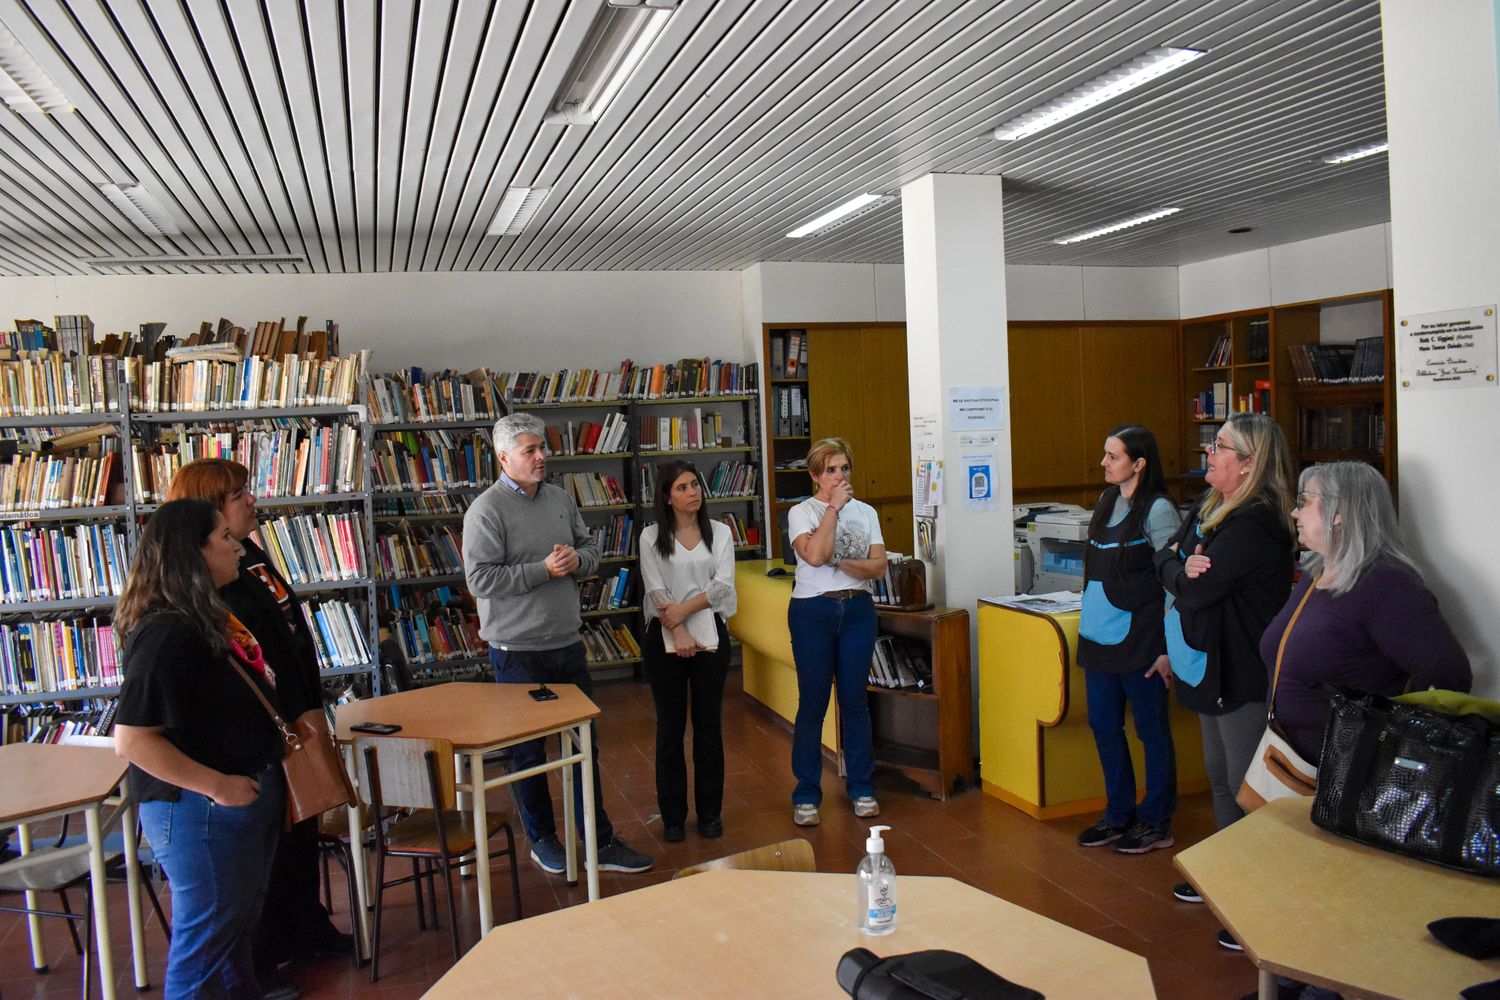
(1367, 620)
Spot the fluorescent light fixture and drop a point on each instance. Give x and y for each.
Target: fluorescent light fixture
(141, 208)
(516, 210)
(1349, 156)
(847, 212)
(1121, 79)
(24, 86)
(195, 260)
(1115, 227)
(615, 45)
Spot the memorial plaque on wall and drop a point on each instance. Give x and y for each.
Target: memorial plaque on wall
(1452, 349)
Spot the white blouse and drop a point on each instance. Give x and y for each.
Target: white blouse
(687, 574)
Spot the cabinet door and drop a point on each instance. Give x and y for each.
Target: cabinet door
(1127, 372)
(895, 526)
(884, 468)
(834, 363)
(1045, 409)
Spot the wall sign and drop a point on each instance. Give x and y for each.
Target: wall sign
(1452, 349)
(976, 408)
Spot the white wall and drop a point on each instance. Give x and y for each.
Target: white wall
(507, 320)
(1344, 263)
(1444, 128)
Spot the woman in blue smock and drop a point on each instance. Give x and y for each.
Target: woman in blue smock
(1121, 645)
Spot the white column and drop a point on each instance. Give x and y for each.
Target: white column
(956, 337)
(1443, 120)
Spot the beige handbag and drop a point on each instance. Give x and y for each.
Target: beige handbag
(1277, 771)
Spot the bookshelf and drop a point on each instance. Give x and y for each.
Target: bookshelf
(927, 734)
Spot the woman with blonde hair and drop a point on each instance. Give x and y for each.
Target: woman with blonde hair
(832, 621)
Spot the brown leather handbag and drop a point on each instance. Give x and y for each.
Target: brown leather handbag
(315, 777)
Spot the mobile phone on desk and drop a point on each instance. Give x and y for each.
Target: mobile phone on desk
(543, 693)
(375, 728)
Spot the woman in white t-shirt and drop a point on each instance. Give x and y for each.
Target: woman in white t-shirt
(832, 621)
(687, 562)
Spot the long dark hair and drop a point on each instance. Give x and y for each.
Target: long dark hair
(170, 574)
(1150, 483)
(666, 519)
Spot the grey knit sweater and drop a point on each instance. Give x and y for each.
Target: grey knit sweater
(507, 537)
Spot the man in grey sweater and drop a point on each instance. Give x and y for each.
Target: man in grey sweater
(525, 545)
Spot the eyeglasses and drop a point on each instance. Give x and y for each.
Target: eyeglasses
(1214, 447)
(1305, 499)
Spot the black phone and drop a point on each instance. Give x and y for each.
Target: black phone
(543, 693)
(375, 728)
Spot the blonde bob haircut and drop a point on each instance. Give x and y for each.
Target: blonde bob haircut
(819, 454)
(211, 479)
(1259, 438)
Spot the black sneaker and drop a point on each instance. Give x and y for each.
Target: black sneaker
(1100, 833)
(1226, 940)
(673, 833)
(711, 827)
(1142, 837)
(1185, 892)
(273, 987)
(618, 856)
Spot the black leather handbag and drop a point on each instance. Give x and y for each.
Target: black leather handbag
(1412, 780)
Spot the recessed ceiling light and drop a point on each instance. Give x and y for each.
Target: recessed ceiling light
(1349, 156)
(517, 209)
(1114, 227)
(1240, 230)
(24, 86)
(141, 208)
(847, 212)
(618, 40)
(1121, 79)
(195, 260)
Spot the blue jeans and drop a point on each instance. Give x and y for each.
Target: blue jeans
(832, 643)
(568, 665)
(217, 859)
(1107, 695)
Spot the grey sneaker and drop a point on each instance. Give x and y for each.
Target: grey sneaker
(618, 856)
(549, 855)
(866, 806)
(1143, 838)
(1101, 833)
(806, 814)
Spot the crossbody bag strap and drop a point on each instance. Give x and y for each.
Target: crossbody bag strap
(286, 732)
(1281, 648)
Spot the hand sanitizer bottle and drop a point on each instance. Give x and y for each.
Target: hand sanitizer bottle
(875, 890)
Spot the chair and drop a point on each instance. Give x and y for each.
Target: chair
(794, 855)
(397, 774)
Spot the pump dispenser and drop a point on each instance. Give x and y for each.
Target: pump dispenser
(875, 889)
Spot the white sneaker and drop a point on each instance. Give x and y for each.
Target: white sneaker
(806, 814)
(865, 806)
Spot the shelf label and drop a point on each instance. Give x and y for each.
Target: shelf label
(1452, 349)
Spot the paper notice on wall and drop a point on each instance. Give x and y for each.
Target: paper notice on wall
(979, 481)
(925, 428)
(1452, 349)
(976, 408)
(927, 487)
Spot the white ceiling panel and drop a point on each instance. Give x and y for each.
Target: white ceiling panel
(382, 136)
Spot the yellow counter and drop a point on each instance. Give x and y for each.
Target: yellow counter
(1036, 751)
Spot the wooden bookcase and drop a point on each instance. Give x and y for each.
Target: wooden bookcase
(928, 736)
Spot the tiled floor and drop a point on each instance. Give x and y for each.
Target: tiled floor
(1124, 900)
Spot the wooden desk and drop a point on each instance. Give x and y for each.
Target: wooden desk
(762, 934)
(1334, 913)
(478, 718)
(40, 782)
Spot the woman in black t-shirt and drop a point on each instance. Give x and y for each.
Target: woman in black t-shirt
(203, 751)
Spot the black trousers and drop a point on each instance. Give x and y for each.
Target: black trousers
(293, 912)
(678, 684)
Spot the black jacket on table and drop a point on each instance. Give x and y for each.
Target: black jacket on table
(1225, 611)
(263, 600)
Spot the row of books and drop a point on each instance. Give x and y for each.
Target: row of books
(413, 395)
(77, 562)
(1343, 428)
(32, 482)
(789, 354)
(426, 550)
(616, 537)
(901, 662)
(47, 382)
(430, 459)
(591, 489)
(1212, 403)
(435, 505)
(199, 385)
(587, 437)
(1219, 353)
(57, 721)
(1335, 364)
(318, 547)
(1220, 400)
(1258, 342)
(789, 412)
(701, 430)
(62, 655)
(608, 591)
(286, 457)
(744, 533)
(438, 634)
(606, 642)
(269, 338)
(686, 378)
(733, 478)
(338, 632)
(72, 335)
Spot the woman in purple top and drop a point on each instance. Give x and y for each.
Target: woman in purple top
(1370, 622)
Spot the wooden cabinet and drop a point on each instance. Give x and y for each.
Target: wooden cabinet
(928, 736)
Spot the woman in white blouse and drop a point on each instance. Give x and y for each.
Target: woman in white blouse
(687, 562)
(832, 621)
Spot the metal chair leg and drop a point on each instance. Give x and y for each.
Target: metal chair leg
(448, 891)
(416, 883)
(379, 899)
(62, 896)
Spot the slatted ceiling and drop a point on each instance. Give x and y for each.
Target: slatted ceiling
(376, 137)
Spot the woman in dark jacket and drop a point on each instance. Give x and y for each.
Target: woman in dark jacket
(1229, 571)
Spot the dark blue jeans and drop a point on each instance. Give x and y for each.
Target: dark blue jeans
(568, 665)
(1107, 695)
(217, 859)
(832, 643)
